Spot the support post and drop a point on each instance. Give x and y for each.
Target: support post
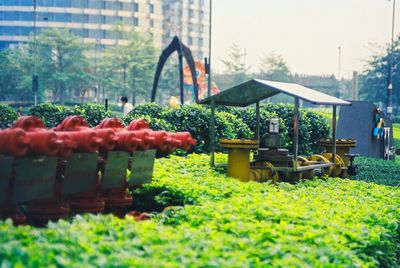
(296, 133)
(209, 54)
(258, 121)
(181, 76)
(334, 134)
(212, 134)
(35, 76)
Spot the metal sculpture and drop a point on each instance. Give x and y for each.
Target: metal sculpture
(183, 51)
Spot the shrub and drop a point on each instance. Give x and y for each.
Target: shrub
(50, 114)
(249, 118)
(312, 127)
(196, 120)
(154, 122)
(7, 116)
(92, 112)
(378, 171)
(150, 109)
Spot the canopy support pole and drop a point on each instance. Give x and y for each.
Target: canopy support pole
(296, 133)
(212, 134)
(334, 134)
(258, 122)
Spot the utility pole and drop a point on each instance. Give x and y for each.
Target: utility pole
(389, 107)
(355, 86)
(34, 76)
(340, 64)
(209, 54)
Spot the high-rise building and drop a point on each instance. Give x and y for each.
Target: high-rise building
(96, 20)
(189, 20)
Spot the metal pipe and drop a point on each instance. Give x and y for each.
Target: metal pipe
(212, 134)
(209, 54)
(34, 78)
(334, 134)
(296, 133)
(258, 122)
(181, 75)
(389, 108)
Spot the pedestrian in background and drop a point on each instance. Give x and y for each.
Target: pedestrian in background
(126, 106)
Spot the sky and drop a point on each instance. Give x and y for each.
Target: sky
(307, 33)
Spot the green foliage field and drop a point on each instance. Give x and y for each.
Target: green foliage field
(378, 171)
(224, 223)
(396, 135)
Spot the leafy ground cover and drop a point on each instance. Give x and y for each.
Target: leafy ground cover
(223, 223)
(378, 171)
(396, 135)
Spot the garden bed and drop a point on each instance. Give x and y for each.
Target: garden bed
(218, 221)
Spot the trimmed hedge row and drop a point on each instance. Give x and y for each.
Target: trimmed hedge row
(239, 123)
(7, 116)
(230, 122)
(53, 114)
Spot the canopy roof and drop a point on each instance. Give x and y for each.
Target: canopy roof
(256, 90)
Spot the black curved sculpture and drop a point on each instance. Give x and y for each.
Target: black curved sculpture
(183, 51)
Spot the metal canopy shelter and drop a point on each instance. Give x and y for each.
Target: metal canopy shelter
(255, 90)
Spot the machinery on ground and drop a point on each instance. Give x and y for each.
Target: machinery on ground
(271, 162)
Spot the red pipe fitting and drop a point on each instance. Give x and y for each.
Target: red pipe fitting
(14, 142)
(161, 140)
(185, 139)
(126, 140)
(42, 140)
(87, 140)
(148, 141)
(110, 139)
(138, 125)
(68, 145)
(175, 143)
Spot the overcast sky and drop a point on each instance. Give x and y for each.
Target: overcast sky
(306, 32)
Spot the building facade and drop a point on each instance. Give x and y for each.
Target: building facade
(189, 20)
(96, 21)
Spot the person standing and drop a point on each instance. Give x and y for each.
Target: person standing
(126, 106)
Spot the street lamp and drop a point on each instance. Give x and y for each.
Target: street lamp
(209, 54)
(390, 75)
(34, 76)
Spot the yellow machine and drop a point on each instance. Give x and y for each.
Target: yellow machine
(272, 163)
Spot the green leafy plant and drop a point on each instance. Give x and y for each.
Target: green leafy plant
(154, 122)
(7, 116)
(217, 221)
(92, 112)
(378, 171)
(50, 114)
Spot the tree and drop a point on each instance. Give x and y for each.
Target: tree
(62, 65)
(11, 75)
(129, 68)
(274, 67)
(235, 66)
(374, 79)
(169, 82)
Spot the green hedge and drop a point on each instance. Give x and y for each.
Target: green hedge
(50, 114)
(7, 116)
(224, 223)
(53, 114)
(196, 120)
(230, 122)
(239, 123)
(378, 171)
